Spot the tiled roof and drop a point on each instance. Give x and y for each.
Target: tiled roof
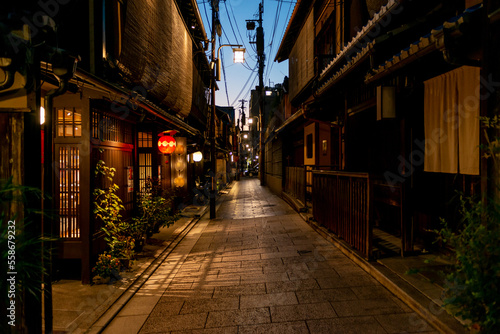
(427, 43)
(358, 40)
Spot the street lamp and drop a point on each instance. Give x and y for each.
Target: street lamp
(215, 66)
(238, 57)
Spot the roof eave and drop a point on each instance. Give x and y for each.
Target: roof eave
(290, 33)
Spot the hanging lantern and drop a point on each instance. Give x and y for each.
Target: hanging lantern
(167, 143)
(180, 165)
(197, 156)
(179, 181)
(180, 149)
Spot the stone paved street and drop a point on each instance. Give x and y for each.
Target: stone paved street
(259, 268)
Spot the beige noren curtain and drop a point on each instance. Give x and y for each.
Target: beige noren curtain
(451, 122)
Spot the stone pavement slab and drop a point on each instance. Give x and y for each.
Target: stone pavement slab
(259, 268)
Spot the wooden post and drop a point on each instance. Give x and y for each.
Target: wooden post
(33, 178)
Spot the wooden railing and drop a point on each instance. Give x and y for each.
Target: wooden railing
(309, 169)
(341, 203)
(295, 183)
(298, 182)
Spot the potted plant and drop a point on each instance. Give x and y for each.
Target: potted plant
(105, 267)
(138, 233)
(122, 247)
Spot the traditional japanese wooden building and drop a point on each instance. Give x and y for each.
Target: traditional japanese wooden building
(108, 77)
(387, 97)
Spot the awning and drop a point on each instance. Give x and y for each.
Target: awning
(289, 120)
(425, 45)
(299, 15)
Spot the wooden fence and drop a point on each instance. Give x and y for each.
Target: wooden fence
(341, 203)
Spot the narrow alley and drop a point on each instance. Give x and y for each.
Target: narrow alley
(259, 268)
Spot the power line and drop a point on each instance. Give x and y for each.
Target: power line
(231, 23)
(276, 20)
(246, 83)
(206, 15)
(224, 73)
(238, 29)
(282, 33)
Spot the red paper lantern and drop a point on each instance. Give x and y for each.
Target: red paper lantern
(166, 144)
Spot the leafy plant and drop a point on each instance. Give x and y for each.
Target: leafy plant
(107, 208)
(21, 250)
(122, 246)
(492, 147)
(106, 266)
(107, 204)
(155, 208)
(137, 229)
(472, 289)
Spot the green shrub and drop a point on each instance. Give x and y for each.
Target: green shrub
(107, 204)
(472, 289)
(107, 207)
(155, 208)
(21, 250)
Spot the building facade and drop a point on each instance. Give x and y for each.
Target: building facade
(108, 78)
(386, 99)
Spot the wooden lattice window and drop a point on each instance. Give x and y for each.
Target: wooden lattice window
(69, 122)
(145, 139)
(109, 128)
(69, 192)
(145, 169)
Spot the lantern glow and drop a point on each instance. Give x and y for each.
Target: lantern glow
(239, 55)
(179, 181)
(166, 144)
(197, 156)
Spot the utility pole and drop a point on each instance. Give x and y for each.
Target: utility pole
(261, 58)
(240, 144)
(213, 161)
(243, 117)
(243, 105)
